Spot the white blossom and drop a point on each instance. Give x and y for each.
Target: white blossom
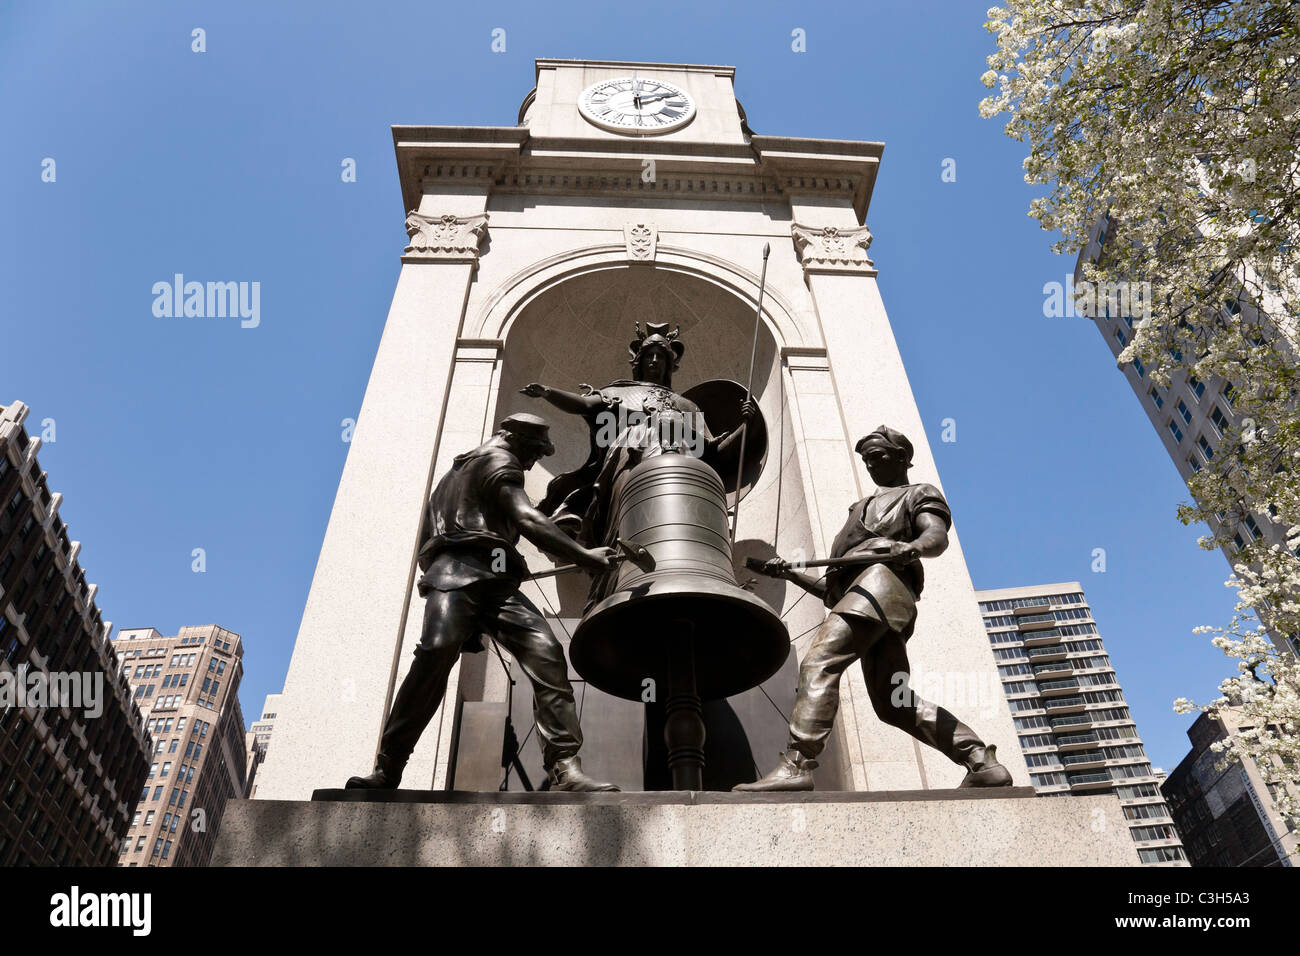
(1180, 123)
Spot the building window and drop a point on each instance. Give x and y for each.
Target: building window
(1193, 463)
(1156, 399)
(1252, 528)
(1206, 448)
(1119, 337)
(1219, 421)
(1139, 367)
(1184, 411)
(1175, 431)
(1161, 854)
(1197, 387)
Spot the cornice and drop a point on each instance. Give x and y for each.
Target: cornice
(552, 63)
(508, 157)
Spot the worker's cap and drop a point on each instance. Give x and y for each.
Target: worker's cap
(530, 428)
(892, 439)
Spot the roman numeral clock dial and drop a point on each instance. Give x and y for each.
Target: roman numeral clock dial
(637, 106)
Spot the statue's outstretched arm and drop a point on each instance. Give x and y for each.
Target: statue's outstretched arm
(570, 402)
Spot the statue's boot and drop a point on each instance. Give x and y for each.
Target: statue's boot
(387, 775)
(566, 774)
(983, 769)
(794, 772)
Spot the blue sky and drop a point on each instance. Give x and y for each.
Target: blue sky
(176, 434)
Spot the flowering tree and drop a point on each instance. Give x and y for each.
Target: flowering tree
(1176, 124)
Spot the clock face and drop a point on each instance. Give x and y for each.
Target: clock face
(638, 106)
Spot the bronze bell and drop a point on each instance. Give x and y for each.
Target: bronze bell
(689, 607)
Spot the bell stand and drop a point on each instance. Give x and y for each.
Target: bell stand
(684, 732)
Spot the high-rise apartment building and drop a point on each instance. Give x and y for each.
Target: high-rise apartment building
(187, 686)
(73, 744)
(1223, 807)
(1075, 727)
(258, 740)
(1190, 416)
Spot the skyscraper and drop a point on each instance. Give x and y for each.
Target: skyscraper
(187, 686)
(72, 743)
(258, 740)
(1190, 416)
(1075, 728)
(1223, 808)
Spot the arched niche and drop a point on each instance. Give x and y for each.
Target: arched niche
(577, 330)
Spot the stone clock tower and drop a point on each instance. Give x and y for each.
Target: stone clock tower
(624, 192)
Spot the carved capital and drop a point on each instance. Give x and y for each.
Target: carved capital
(642, 241)
(833, 248)
(444, 238)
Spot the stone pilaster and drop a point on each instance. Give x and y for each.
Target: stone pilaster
(870, 388)
(347, 655)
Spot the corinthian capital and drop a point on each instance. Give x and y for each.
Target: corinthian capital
(445, 238)
(833, 248)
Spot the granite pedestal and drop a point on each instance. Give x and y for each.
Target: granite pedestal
(460, 828)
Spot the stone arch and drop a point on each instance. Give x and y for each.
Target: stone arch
(573, 326)
(788, 325)
(568, 321)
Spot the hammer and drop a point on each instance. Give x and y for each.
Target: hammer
(625, 551)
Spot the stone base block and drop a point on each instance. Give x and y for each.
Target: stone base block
(1005, 827)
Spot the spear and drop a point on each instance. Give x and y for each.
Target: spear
(749, 389)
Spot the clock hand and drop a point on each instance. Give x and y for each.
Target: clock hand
(657, 96)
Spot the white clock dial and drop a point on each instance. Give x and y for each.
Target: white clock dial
(636, 105)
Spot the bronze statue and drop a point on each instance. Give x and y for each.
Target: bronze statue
(472, 574)
(657, 476)
(630, 420)
(871, 592)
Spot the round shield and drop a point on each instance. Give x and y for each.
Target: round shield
(719, 400)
